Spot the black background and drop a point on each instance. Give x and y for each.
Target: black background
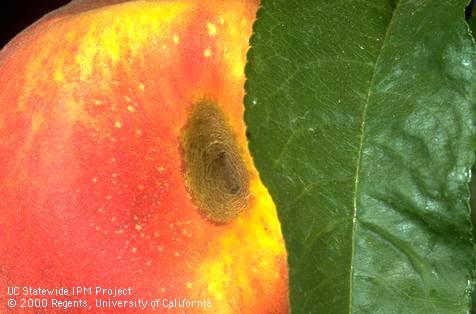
(16, 15)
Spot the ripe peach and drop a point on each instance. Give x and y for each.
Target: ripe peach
(124, 160)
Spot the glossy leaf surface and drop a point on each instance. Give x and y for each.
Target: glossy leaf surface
(360, 120)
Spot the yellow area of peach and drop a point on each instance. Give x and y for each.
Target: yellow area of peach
(234, 23)
(87, 47)
(125, 28)
(246, 260)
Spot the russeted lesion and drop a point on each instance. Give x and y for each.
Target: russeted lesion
(215, 172)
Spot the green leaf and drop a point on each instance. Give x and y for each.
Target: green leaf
(361, 123)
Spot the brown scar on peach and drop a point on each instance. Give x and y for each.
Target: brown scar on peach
(215, 172)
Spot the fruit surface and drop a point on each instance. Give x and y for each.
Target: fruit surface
(124, 160)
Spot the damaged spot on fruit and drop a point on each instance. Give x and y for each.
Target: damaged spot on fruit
(222, 170)
(215, 172)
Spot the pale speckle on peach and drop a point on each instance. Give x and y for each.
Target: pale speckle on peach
(212, 29)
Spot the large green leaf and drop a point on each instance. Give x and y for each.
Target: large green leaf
(360, 122)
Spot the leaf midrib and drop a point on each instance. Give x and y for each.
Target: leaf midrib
(359, 153)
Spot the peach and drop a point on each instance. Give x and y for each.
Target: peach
(124, 162)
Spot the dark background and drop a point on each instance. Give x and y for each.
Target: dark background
(16, 15)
